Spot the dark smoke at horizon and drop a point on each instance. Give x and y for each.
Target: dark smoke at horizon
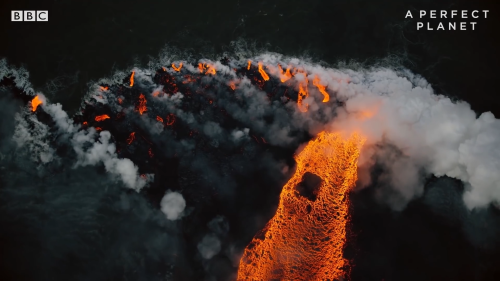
(180, 200)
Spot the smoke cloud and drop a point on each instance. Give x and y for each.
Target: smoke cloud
(429, 134)
(222, 137)
(65, 221)
(209, 246)
(172, 205)
(411, 132)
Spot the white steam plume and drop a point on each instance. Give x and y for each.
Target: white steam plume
(433, 134)
(172, 205)
(91, 151)
(428, 133)
(209, 246)
(410, 131)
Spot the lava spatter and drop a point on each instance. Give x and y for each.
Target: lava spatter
(305, 239)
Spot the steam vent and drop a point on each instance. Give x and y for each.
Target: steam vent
(305, 239)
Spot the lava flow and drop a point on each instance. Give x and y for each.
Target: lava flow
(132, 79)
(35, 102)
(263, 73)
(141, 107)
(101, 117)
(305, 238)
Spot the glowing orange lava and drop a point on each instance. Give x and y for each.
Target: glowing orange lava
(284, 76)
(177, 68)
(211, 70)
(321, 88)
(249, 64)
(306, 237)
(302, 95)
(159, 119)
(142, 104)
(35, 102)
(132, 79)
(262, 72)
(131, 138)
(170, 119)
(101, 117)
(104, 88)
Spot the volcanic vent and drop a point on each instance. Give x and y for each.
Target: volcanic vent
(305, 238)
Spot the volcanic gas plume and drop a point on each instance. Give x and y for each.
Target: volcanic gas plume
(306, 237)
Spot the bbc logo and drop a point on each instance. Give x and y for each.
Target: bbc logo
(30, 15)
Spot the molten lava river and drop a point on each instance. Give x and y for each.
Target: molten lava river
(305, 238)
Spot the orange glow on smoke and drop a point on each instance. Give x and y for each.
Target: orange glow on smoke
(249, 64)
(142, 104)
(306, 237)
(104, 88)
(366, 114)
(232, 85)
(284, 76)
(211, 70)
(208, 68)
(188, 79)
(101, 118)
(322, 89)
(164, 69)
(131, 138)
(170, 119)
(262, 72)
(132, 79)
(159, 119)
(120, 100)
(98, 129)
(177, 68)
(35, 102)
